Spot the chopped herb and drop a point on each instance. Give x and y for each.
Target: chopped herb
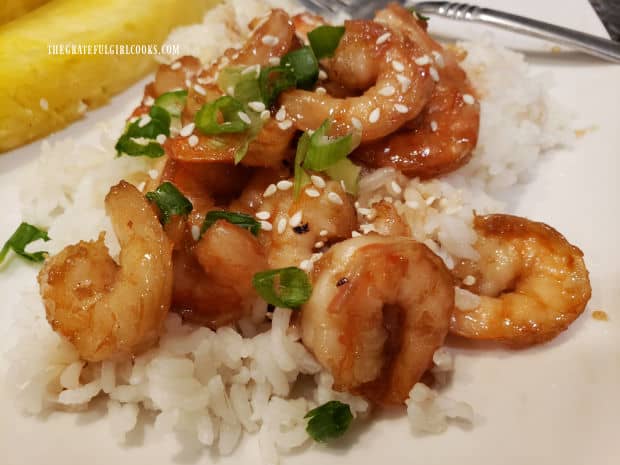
(238, 219)
(420, 16)
(346, 171)
(24, 235)
(170, 201)
(328, 421)
(301, 178)
(324, 151)
(324, 40)
(342, 281)
(173, 102)
(226, 107)
(304, 65)
(126, 145)
(274, 80)
(159, 124)
(302, 228)
(284, 287)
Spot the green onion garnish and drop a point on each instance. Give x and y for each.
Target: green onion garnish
(325, 151)
(328, 421)
(274, 80)
(24, 235)
(238, 219)
(347, 172)
(301, 178)
(229, 108)
(304, 65)
(173, 102)
(170, 201)
(324, 40)
(159, 124)
(418, 15)
(284, 287)
(243, 84)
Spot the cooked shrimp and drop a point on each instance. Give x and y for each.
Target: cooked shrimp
(379, 310)
(532, 283)
(443, 136)
(387, 221)
(107, 310)
(375, 68)
(213, 279)
(304, 225)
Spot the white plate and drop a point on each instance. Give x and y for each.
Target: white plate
(555, 404)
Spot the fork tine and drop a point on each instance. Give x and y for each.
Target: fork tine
(321, 7)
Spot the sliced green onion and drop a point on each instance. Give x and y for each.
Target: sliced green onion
(245, 85)
(173, 102)
(170, 201)
(207, 117)
(418, 15)
(24, 235)
(347, 172)
(159, 124)
(328, 421)
(273, 81)
(238, 219)
(304, 65)
(301, 177)
(284, 287)
(325, 151)
(126, 145)
(324, 40)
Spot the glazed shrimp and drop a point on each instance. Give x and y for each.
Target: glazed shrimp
(443, 137)
(365, 63)
(107, 310)
(532, 283)
(304, 225)
(379, 310)
(213, 278)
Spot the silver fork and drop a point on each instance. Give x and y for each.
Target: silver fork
(592, 45)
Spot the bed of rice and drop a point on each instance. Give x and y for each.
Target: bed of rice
(217, 385)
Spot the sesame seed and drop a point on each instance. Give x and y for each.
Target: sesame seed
(383, 38)
(363, 211)
(388, 199)
(429, 201)
(322, 75)
(144, 120)
(334, 198)
(195, 232)
(433, 126)
(187, 130)
(153, 174)
(318, 181)
(469, 99)
(438, 58)
(265, 115)
(270, 40)
(355, 234)
(396, 187)
(176, 65)
(230, 91)
(203, 81)
(141, 186)
(398, 66)
(321, 90)
(343, 186)
(286, 124)
(315, 257)
(281, 114)
(274, 61)
(400, 108)
(266, 226)
(374, 115)
(404, 81)
(271, 189)
(319, 245)
(284, 185)
(306, 265)
(201, 90)
(188, 83)
(281, 225)
(193, 140)
(423, 60)
(251, 69)
(161, 138)
(310, 192)
(469, 280)
(244, 117)
(257, 106)
(434, 74)
(323, 232)
(295, 219)
(263, 215)
(148, 101)
(387, 91)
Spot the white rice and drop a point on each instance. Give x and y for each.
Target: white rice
(216, 385)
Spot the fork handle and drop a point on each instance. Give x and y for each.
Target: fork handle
(603, 48)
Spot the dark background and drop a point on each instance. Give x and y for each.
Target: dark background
(609, 12)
